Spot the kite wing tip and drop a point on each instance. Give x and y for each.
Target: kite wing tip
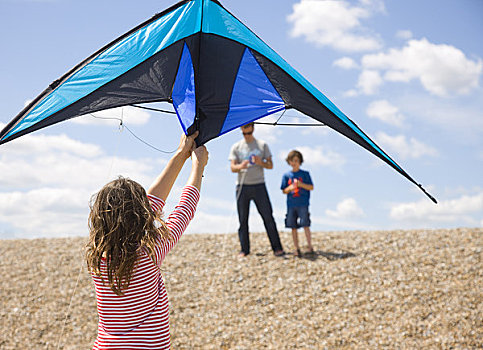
(427, 194)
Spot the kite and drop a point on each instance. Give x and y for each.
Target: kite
(196, 55)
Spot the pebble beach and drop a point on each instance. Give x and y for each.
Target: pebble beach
(400, 289)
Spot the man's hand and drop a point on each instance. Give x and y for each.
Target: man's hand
(244, 164)
(257, 160)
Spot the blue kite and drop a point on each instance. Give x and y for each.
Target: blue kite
(214, 70)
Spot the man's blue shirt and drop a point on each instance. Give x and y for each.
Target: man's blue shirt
(300, 196)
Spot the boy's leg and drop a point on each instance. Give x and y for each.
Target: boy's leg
(243, 207)
(295, 238)
(291, 222)
(308, 236)
(305, 223)
(264, 207)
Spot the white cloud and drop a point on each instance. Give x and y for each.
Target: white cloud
(130, 115)
(404, 34)
(52, 212)
(405, 148)
(213, 218)
(318, 156)
(441, 69)
(47, 182)
(208, 222)
(351, 93)
(374, 5)
(67, 169)
(369, 81)
(467, 209)
(335, 23)
(345, 63)
(385, 112)
(42, 144)
(346, 209)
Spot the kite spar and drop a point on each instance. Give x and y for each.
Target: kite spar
(196, 55)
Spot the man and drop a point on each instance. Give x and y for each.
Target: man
(248, 158)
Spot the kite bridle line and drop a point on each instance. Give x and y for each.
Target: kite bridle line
(154, 109)
(276, 123)
(122, 125)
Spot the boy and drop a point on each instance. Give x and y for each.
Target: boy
(297, 184)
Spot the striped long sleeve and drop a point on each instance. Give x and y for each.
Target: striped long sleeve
(139, 319)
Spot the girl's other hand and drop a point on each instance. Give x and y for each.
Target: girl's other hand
(187, 144)
(200, 157)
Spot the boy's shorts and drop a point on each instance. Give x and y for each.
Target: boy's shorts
(297, 217)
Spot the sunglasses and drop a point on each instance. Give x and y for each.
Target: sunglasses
(247, 133)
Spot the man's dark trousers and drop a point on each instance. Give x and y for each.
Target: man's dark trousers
(258, 193)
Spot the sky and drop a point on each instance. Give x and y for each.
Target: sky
(408, 73)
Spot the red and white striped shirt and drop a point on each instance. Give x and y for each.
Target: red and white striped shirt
(139, 319)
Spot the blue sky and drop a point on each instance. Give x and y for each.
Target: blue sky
(408, 73)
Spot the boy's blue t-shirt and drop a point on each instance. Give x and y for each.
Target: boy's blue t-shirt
(300, 197)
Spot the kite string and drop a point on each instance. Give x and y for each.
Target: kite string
(226, 234)
(116, 151)
(70, 304)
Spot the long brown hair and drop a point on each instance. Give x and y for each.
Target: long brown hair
(121, 224)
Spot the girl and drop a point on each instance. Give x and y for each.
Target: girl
(127, 244)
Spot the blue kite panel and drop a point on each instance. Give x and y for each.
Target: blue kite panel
(253, 95)
(216, 20)
(184, 99)
(116, 60)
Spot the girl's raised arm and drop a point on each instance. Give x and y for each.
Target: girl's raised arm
(164, 182)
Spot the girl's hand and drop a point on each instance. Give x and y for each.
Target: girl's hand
(200, 157)
(187, 144)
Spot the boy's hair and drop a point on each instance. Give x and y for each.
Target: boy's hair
(293, 154)
(121, 226)
(248, 125)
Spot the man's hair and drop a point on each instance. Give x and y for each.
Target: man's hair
(248, 125)
(121, 226)
(293, 154)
